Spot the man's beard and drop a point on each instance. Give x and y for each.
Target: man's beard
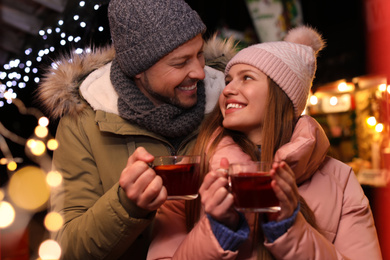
(173, 100)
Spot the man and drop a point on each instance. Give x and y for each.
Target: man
(119, 107)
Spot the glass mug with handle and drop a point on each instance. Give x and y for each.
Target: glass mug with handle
(180, 175)
(250, 184)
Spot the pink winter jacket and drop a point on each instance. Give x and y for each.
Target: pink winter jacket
(329, 187)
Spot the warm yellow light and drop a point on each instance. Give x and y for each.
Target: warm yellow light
(37, 147)
(379, 128)
(41, 131)
(52, 144)
(346, 87)
(7, 214)
(388, 89)
(382, 87)
(43, 121)
(3, 161)
(371, 121)
(342, 87)
(28, 188)
(12, 166)
(53, 221)
(49, 249)
(333, 101)
(2, 194)
(54, 178)
(30, 143)
(313, 100)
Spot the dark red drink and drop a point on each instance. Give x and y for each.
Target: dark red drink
(180, 180)
(253, 191)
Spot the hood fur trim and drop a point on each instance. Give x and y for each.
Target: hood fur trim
(59, 94)
(219, 52)
(59, 89)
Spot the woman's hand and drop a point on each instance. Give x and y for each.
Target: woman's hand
(216, 198)
(285, 188)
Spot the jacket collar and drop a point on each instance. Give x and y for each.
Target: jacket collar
(99, 92)
(112, 123)
(306, 150)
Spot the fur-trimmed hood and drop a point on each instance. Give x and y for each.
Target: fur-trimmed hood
(59, 91)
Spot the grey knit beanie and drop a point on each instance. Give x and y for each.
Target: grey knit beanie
(144, 31)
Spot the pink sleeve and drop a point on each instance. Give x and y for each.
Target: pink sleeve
(355, 236)
(201, 243)
(173, 242)
(169, 230)
(302, 241)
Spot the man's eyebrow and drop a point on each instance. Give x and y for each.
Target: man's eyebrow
(178, 58)
(186, 56)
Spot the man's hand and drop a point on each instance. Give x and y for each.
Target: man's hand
(140, 182)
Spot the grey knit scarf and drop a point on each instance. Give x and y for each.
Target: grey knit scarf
(167, 120)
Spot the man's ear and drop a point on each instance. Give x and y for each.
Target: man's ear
(138, 76)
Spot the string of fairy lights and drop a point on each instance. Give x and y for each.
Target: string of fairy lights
(28, 188)
(85, 21)
(73, 31)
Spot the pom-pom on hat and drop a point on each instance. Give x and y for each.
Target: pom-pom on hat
(290, 63)
(144, 31)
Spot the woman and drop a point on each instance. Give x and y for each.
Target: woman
(324, 212)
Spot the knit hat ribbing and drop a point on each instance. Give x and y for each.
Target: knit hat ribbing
(290, 63)
(144, 31)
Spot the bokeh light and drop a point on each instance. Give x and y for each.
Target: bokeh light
(49, 249)
(52, 144)
(333, 101)
(371, 121)
(54, 178)
(313, 100)
(12, 166)
(3, 161)
(28, 188)
(37, 147)
(7, 214)
(43, 121)
(53, 221)
(379, 128)
(382, 87)
(41, 131)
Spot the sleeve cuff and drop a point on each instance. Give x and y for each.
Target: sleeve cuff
(273, 229)
(227, 238)
(131, 208)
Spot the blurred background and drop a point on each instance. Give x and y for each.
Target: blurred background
(349, 94)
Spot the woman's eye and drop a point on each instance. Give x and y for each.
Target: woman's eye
(247, 78)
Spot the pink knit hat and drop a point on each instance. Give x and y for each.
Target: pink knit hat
(290, 63)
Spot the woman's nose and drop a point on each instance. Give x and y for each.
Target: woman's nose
(230, 89)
